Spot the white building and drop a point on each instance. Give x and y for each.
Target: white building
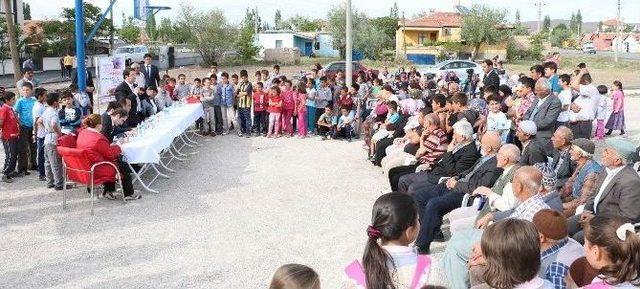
(319, 44)
(18, 16)
(627, 43)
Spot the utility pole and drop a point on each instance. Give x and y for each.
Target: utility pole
(111, 33)
(616, 45)
(539, 4)
(13, 42)
(349, 48)
(81, 68)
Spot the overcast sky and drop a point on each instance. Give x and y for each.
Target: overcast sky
(592, 10)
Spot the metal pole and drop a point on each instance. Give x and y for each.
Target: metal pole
(349, 48)
(618, 36)
(81, 69)
(111, 33)
(13, 46)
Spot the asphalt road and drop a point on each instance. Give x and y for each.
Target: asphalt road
(621, 55)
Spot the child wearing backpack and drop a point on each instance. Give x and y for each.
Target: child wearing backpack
(389, 261)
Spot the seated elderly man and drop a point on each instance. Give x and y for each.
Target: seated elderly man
(498, 198)
(532, 149)
(526, 185)
(561, 163)
(617, 192)
(582, 184)
(461, 154)
(433, 144)
(405, 149)
(445, 197)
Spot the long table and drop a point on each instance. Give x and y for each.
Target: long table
(161, 142)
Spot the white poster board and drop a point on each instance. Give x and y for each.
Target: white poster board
(109, 73)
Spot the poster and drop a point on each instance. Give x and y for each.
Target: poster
(109, 71)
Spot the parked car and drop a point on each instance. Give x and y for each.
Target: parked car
(332, 68)
(132, 53)
(588, 48)
(460, 67)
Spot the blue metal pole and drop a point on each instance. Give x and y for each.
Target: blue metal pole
(81, 68)
(99, 23)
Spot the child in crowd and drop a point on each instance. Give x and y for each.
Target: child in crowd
(510, 250)
(325, 123)
(38, 128)
(206, 97)
(301, 109)
(295, 276)
(565, 97)
(288, 107)
(393, 117)
(81, 99)
(196, 89)
(260, 114)
(70, 116)
(244, 91)
(182, 89)
(275, 110)
(52, 130)
(310, 102)
(389, 261)
(10, 133)
(601, 111)
(496, 119)
(612, 246)
(170, 87)
(616, 120)
(227, 99)
(26, 147)
(345, 124)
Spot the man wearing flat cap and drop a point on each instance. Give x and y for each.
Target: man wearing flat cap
(617, 190)
(583, 183)
(532, 149)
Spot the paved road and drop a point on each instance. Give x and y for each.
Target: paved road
(621, 55)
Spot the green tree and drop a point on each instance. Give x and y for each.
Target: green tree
(559, 35)
(277, 20)
(519, 29)
(546, 24)
(579, 22)
(5, 52)
(302, 23)
(518, 22)
(388, 26)
(209, 33)
(26, 11)
(336, 23)
(536, 45)
(393, 12)
(245, 44)
(129, 32)
(152, 28)
(479, 27)
(573, 24)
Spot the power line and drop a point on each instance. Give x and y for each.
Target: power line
(539, 4)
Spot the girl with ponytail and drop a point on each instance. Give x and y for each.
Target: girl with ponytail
(389, 262)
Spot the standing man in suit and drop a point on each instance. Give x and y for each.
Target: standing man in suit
(490, 78)
(151, 72)
(561, 163)
(617, 190)
(532, 150)
(544, 111)
(128, 89)
(89, 82)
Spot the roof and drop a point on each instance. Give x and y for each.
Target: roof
(612, 22)
(437, 19)
(304, 35)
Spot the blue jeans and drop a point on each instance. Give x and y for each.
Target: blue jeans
(311, 118)
(40, 149)
(456, 257)
(442, 202)
(10, 156)
(244, 119)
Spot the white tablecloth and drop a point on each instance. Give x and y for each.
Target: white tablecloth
(146, 148)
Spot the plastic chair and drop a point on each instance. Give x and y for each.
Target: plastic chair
(77, 167)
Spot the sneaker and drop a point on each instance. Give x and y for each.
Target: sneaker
(26, 173)
(247, 135)
(7, 179)
(42, 178)
(135, 196)
(49, 186)
(17, 174)
(108, 195)
(225, 132)
(239, 134)
(60, 188)
(324, 137)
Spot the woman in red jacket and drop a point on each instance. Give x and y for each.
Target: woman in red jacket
(100, 150)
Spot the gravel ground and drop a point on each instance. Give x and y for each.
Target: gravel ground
(227, 219)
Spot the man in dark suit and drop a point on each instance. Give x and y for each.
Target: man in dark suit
(128, 89)
(445, 197)
(151, 72)
(561, 163)
(461, 154)
(617, 192)
(544, 111)
(532, 150)
(490, 78)
(89, 81)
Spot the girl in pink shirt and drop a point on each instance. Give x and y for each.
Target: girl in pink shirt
(616, 120)
(301, 109)
(288, 106)
(274, 109)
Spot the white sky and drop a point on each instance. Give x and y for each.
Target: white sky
(592, 10)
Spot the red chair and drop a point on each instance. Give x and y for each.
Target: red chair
(77, 167)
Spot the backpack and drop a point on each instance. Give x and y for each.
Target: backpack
(355, 271)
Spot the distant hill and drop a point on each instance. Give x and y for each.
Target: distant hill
(586, 26)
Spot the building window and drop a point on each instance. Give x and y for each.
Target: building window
(447, 32)
(317, 45)
(278, 43)
(422, 38)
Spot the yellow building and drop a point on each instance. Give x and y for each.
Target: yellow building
(416, 38)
